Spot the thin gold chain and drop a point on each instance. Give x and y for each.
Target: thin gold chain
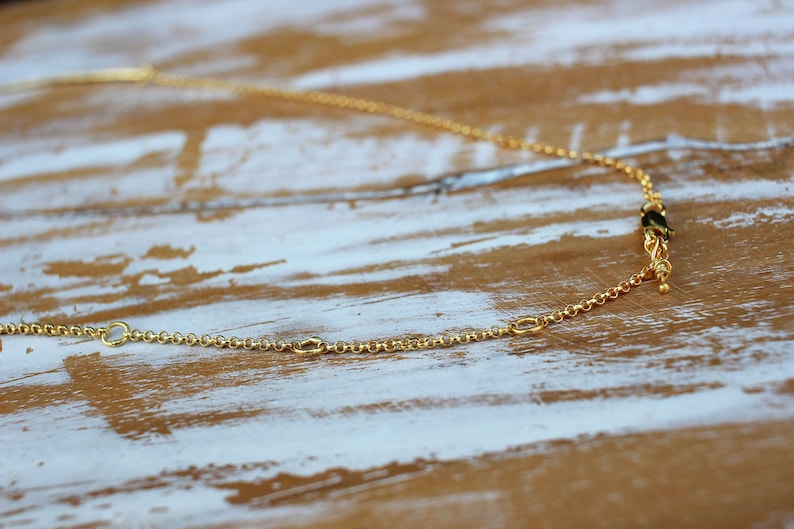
(655, 230)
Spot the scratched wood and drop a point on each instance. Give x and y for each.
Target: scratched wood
(210, 213)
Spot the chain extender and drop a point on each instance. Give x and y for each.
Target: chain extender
(655, 229)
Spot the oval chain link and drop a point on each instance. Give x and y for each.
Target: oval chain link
(118, 333)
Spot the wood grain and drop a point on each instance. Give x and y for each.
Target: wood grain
(209, 213)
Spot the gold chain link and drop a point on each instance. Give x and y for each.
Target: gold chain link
(656, 232)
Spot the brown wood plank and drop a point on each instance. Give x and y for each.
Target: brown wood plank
(204, 212)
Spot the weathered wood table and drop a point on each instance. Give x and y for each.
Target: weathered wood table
(206, 212)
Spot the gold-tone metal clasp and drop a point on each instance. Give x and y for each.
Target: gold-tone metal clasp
(310, 346)
(104, 334)
(526, 325)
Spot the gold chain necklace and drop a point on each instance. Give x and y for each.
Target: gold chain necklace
(655, 230)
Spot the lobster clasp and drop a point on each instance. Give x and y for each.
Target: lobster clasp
(655, 222)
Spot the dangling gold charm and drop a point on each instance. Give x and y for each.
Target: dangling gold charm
(657, 233)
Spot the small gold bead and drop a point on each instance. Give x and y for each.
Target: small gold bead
(664, 288)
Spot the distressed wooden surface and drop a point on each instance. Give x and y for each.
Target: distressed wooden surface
(209, 213)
